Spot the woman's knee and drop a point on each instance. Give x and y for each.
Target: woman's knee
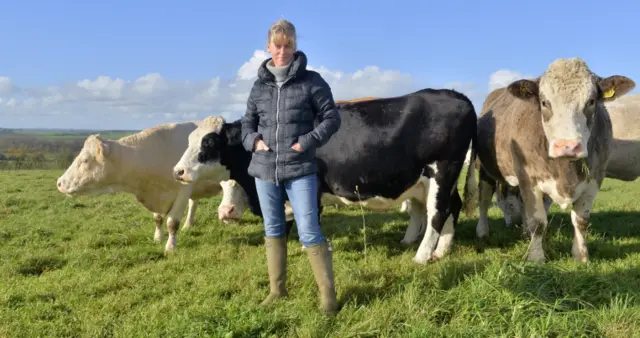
(311, 238)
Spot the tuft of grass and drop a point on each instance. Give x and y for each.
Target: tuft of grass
(89, 267)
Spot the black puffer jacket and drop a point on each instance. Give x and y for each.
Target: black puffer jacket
(283, 116)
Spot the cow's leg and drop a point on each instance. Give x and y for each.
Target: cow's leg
(500, 201)
(417, 214)
(506, 201)
(486, 190)
(175, 215)
(580, 215)
(516, 205)
(191, 214)
(446, 237)
(442, 181)
(536, 220)
(157, 218)
(547, 203)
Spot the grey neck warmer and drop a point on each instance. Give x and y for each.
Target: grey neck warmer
(280, 73)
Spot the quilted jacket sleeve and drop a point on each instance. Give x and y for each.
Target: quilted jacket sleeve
(250, 124)
(327, 114)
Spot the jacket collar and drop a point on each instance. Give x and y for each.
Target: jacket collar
(298, 67)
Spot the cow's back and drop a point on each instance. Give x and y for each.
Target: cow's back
(624, 163)
(162, 146)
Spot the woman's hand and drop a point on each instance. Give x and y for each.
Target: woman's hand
(260, 145)
(296, 147)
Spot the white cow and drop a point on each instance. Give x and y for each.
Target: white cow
(624, 163)
(234, 202)
(142, 164)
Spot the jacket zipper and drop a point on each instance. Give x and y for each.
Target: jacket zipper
(278, 123)
(277, 126)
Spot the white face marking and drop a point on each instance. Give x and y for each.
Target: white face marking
(190, 169)
(567, 91)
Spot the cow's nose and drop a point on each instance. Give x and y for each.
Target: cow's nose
(59, 185)
(567, 148)
(225, 211)
(177, 174)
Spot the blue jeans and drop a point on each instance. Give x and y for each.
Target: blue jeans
(303, 196)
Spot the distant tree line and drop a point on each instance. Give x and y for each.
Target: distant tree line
(21, 152)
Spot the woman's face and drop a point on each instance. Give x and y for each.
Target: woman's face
(281, 52)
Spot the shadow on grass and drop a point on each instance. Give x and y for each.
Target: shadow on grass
(604, 228)
(380, 285)
(386, 230)
(571, 290)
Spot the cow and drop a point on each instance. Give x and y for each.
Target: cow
(142, 164)
(233, 161)
(548, 135)
(383, 153)
(624, 162)
(360, 99)
(234, 202)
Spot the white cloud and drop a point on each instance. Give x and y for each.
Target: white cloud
(5, 84)
(504, 77)
(107, 102)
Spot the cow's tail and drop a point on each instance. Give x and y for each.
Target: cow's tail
(470, 194)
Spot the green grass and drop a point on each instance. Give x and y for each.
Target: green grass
(88, 267)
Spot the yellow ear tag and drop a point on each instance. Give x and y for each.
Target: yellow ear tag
(523, 90)
(609, 93)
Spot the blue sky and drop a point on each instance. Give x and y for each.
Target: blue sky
(74, 64)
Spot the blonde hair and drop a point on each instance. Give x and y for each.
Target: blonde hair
(282, 31)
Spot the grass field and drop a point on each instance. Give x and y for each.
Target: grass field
(88, 267)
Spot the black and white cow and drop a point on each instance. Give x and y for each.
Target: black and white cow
(386, 151)
(232, 157)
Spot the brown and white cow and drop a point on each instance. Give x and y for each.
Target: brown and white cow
(142, 164)
(549, 135)
(624, 163)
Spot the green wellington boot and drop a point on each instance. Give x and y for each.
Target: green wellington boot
(321, 263)
(277, 266)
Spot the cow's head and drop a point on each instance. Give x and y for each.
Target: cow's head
(234, 202)
(201, 160)
(568, 94)
(93, 170)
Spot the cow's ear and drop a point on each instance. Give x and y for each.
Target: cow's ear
(524, 89)
(615, 86)
(233, 134)
(101, 146)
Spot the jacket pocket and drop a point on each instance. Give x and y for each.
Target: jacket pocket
(295, 156)
(262, 156)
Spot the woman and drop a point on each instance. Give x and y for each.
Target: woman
(278, 128)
